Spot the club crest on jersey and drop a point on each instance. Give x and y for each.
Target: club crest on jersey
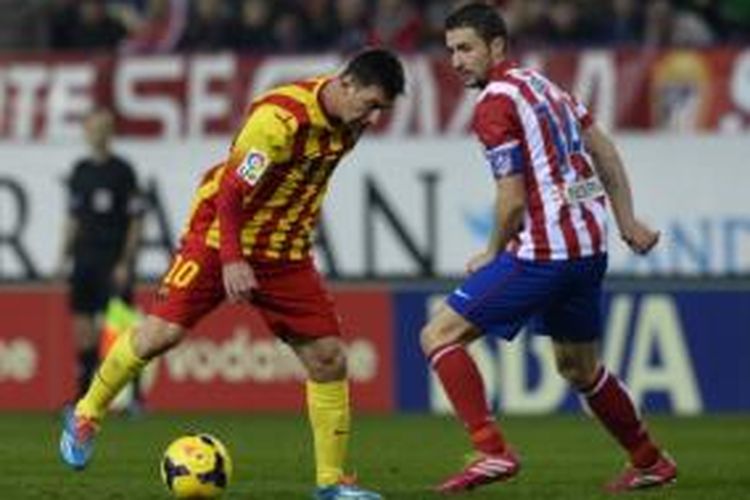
(253, 167)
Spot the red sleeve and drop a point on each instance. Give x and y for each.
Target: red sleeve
(496, 121)
(583, 115)
(229, 210)
(498, 127)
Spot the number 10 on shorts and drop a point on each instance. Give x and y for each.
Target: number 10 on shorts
(182, 272)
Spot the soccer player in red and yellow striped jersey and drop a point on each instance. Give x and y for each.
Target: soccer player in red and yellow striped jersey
(249, 238)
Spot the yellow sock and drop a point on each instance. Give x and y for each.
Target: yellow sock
(119, 367)
(330, 417)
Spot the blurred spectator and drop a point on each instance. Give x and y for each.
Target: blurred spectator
(62, 16)
(566, 24)
(352, 16)
(736, 15)
(85, 24)
(22, 25)
(156, 26)
(253, 30)
(528, 22)
(434, 21)
(288, 30)
(157, 30)
(208, 28)
(658, 26)
(710, 12)
(624, 22)
(666, 25)
(397, 25)
(318, 24)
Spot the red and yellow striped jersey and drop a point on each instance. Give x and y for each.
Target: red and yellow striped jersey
(263, 201)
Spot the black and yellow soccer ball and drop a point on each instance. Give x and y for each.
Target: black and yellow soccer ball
(196, 466)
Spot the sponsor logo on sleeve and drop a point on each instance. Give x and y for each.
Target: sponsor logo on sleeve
(253, 167)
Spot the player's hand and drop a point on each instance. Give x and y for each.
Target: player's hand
(120, 276)
(239, 280)
(639, 237)
(479, 261)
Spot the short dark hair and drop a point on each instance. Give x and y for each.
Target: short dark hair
(378, 67)
(483, 18)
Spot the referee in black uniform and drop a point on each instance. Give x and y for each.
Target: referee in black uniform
(101, 235)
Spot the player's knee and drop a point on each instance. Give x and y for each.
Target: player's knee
(576, 373)
(327, 361)
(435, 334)
(330, 367)
(156, 336)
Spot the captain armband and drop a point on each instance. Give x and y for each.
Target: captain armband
(505, 159)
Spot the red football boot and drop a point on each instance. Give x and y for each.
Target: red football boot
(484, 470)
(663, 472)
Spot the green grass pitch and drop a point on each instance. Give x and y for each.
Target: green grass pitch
(564, 457)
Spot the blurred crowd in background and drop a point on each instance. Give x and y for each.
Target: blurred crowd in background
(299, 26)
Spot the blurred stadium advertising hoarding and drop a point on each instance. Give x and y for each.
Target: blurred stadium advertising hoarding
(682, 352)
(414, 200)
(205, 95)
(414, 208)
(229, 362)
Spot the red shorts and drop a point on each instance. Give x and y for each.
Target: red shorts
(290, 296)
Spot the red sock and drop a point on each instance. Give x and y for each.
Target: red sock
(614, 408)
(463, 384)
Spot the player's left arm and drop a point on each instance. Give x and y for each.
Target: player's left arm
(611, 171)
(264, 141)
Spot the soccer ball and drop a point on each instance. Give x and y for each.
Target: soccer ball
(196, 466)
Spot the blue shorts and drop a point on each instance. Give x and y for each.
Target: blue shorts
(561, 299)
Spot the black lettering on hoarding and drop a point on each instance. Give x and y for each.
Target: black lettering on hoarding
(376, 204)
(10, 234)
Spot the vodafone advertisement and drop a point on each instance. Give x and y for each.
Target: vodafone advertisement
(37, 364)
(230, 362)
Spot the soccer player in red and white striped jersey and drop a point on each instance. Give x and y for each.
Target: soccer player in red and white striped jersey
(553, 169)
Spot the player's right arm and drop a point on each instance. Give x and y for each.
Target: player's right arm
(609, 166)
(497, 126)
(263, 142)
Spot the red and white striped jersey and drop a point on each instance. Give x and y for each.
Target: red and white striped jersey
(529, 126)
